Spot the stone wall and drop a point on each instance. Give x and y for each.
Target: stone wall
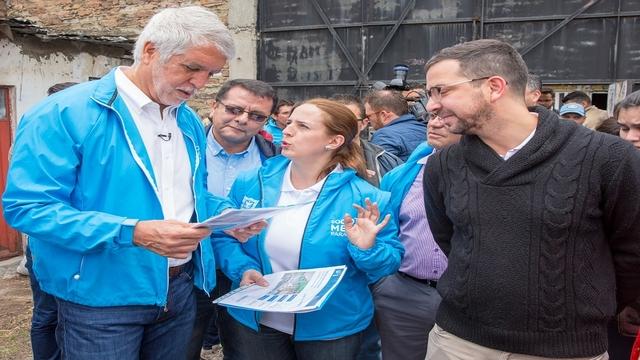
(98, 17)
(105, 19)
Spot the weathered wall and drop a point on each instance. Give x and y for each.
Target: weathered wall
(126, 18)
(32, 66)
(99, 17)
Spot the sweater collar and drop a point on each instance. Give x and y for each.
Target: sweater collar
(551, 134)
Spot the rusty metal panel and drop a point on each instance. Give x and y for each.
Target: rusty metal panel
(628, 65)
(413, 45)
(630, 5)
(309, 91)
(572, 53)
(307, 56)
(279, 13)
(526, 8)
(383, 10)
(572, 41)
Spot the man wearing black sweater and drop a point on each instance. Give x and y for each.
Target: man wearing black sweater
(538, 216)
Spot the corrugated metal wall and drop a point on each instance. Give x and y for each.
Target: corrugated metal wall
(320, 47)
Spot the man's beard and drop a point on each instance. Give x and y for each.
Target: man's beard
(471, 124)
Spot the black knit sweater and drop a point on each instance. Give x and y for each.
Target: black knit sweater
(537, 243)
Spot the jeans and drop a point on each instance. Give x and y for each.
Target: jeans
(370, 347)
(44, 319)
(271, 344)
(205, 332)
(208, 329)
(133, 331)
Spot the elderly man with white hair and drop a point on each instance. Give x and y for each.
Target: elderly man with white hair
(106, 178)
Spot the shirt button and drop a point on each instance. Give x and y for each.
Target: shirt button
(435, 250)
(435, 271)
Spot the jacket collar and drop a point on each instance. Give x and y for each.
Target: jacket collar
(420, 152)
(401, 119)
(272, 172)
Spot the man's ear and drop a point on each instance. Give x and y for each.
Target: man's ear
(498, 86)
(149, 50)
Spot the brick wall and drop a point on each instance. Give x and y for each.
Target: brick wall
(109, 18)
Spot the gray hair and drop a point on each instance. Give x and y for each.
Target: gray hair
(173, 31)
(533, 82)
(487, 57)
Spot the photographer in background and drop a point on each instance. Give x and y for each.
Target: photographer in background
(397, 130)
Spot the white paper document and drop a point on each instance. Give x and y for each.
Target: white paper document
(294, 291)
(236, 218)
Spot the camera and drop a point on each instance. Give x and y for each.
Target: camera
(414, 95)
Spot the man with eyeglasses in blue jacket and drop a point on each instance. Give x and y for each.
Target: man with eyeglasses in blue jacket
(234, 144)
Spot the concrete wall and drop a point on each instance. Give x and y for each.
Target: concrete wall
(243, 21)
(32, 66)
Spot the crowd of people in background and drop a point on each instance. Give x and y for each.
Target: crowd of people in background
(494, 226)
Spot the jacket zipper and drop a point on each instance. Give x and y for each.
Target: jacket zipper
(155, 189)
(195, 207)
(295, 316)
(260, 250)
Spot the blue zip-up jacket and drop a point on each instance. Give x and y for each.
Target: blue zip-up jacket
(79, 179)
(401, 136)
(399, 180)
(274, 130)
(324, 243)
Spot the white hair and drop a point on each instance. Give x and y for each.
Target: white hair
(173, 31)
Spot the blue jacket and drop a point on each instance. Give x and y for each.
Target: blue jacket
(79, 179)
(324, 243)
(401, 136)
(399, 180)
(274, 130)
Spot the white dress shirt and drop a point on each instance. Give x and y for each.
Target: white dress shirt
(167, 151)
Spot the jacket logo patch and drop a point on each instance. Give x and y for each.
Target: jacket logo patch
(337, 227)
(249, 203)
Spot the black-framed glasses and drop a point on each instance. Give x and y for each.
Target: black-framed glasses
(237, 111)
(368, 116)
(431, 117)
(435, 92)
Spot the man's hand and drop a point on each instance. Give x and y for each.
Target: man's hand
(629, 322)
(169, 238)
(253, 277)
(363, 232)
(243, 234)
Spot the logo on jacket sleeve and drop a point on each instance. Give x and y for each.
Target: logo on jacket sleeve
(249, 203)
(337, 227)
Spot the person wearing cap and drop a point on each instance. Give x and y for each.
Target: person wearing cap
(574, 112)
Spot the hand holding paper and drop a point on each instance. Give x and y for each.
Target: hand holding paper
(293, 291)
(239, 218)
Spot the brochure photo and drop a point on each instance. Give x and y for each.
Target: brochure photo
(294, 291)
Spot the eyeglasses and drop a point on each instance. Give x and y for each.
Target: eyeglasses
(368, 116)
(431, 116)
(435, 92)
(237, 111)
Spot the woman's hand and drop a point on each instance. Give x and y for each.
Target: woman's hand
(245, 233)
(362, 232)
(253, 277)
